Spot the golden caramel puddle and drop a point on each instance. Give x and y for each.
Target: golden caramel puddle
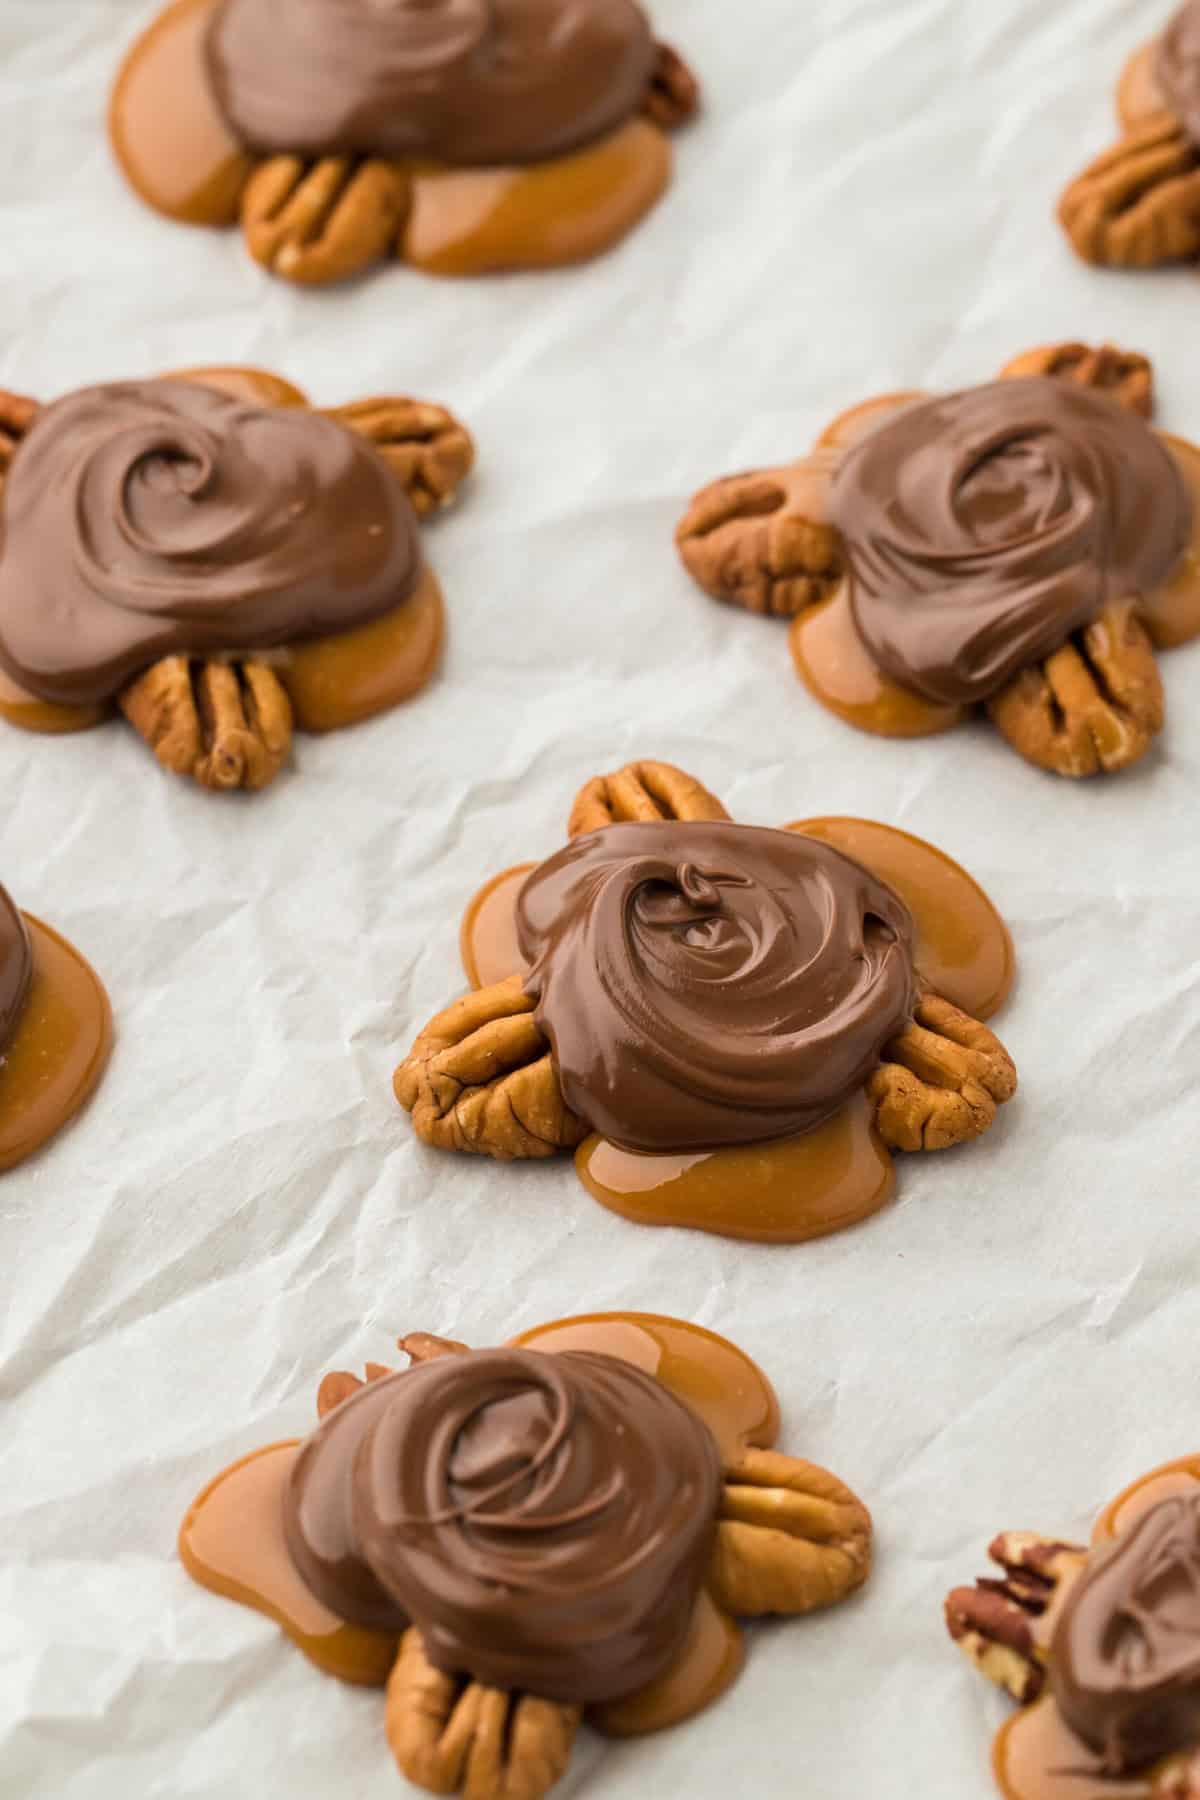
(488, 939)
(352, 675)
(232, 1541)
(168, 135)
(837, 669)
(60, 1045)
(483, 221)
(180, 156)
(859, 421)
(244, 382)
(24, 709)
(1177, 1477)
(1172, 614)
(781, 1192)
(963, 947)
(1138, 92)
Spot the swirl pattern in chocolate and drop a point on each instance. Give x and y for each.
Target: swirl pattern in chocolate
(982, 529)
(544, 1519)
(463, 81)
(1177, 67)
(16, 966)
(148, 518)
(1125, 1657)
(705, 983)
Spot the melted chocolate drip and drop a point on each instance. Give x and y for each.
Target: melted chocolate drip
(705, 983)
(149, 518)
(984, 528)
(1125, 1658)
(464, 81)
(545, 1520)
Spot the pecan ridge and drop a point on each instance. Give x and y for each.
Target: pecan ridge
(322, 221)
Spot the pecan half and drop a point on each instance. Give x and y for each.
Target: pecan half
(1096, 704)
(791, 1537)
(227, 724)
(1178, 1778)
(314, 222)
(456, 1737)
(993, 1623)
(940, 1082)
(480, 1078)
(763, 540)
(418, 1346)
(1125, 375)
(641, 791)
(1139, 203)
(17, 414)
(425, 447)
(673, 96)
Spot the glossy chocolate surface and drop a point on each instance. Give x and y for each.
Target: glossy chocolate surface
(16, 966)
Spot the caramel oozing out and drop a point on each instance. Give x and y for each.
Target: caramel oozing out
(837, 669)
(857, 422)
(167, 132)
(782, 1192)
(232, 1541)
(1138, 92)
(482, 221)
(58, 1051)
(1177, 1477)
(963, 947)
(244, 382)
(352, 675)
(181, 157)
(25, 709)
(488, 939)
(1172, 614)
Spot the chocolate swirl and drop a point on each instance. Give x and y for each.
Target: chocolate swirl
(545, 1520)
(16, 966)
(1125, 1657)
(1177, 67)
(983, 528)
(147, 518)
(705, 983)
(464, 81)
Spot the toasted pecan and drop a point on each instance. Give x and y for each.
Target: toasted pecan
(643, 790)
(791, 1537)
(1138, 204)
(323, 221)
(427, 449)
(941, 1081)
(673, 96)
(226, 724)
(1124, 375)
(763, 540)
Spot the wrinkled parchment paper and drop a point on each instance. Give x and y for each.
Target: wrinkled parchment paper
(866, 205)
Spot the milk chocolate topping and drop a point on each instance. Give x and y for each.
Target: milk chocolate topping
(983, 528)
(1125, 1658)
(545, 1520)
(1177, 67)
(708, 984)
(16, 966)
(463, 81)
(147, 518)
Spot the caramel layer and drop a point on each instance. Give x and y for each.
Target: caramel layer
(352, 675)
(1172, 614)
(837, 669)
(488, 939)
(232, 1538)
(1138, 92)
(58, 1050)
(782, 1192)
(1179, 1477)
(232, 1542)
(857, 422)
(44, 716)
(1037, 1756)
(244, 382)
(173, 146)
(963, 947)
(481, 221)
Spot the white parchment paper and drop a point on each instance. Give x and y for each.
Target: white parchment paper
(866, 205)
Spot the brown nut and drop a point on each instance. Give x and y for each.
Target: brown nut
(227, 724)
(480, 1078)
(418, 1346)
(673, 96)
(314, 222)
(17, 414)
(641, 791)
(994, 1622)
(791, 1537)
(1125, 375)
(763, 540)
(940, 1082)
(425, 447)
(456, 1737)
(1138, 204)
(1178, 1778)
(1095, 705)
